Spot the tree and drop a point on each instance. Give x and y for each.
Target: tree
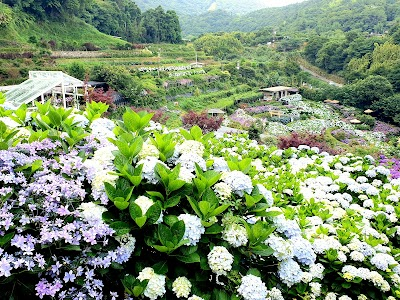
(367, 92)
(221, 46)
(389, 108)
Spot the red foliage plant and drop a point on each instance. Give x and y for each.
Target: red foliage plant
(159, 116)
(205, 122)
(312, 140)
(99, 95)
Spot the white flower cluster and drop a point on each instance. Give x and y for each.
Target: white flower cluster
(350, 272)
(98, 171)
(252, 288)
(189, 162)
(220, 164)
(220, 260)
(91, 212)
(283, 249)
(156, 286)
(148, 150)
(222, 190)
(238, 182)
(102, 129)
(128, 242)
(181, 287)
(144, 203)
(193, 228)
(191, 147)
(148, 173)
(289, 272)
(235, 235)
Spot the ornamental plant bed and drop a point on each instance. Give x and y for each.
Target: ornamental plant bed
(96, 209)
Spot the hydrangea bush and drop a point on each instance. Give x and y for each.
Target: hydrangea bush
(96, 209)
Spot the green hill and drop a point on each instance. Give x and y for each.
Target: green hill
(309, 16)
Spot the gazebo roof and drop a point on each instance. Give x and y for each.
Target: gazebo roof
(368, 111)
(355, 121)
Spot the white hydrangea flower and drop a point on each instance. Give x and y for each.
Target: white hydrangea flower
(191, 147)
(317, 271)
(289, 272)
(193, 228)
(149, 164)
(156, 286)
(220, 260)
(148, 150)
(315, 288)
(101, 177)
(252, 288)
(80, 120)
(104, 156)
(91, 211)
(128, 242)
(330, 296)
(194, 297)
(186, 175)
(189, 162)
(275, 294)
(222, 190)
(144, 203)
(282, 249)
(238, 182)
(181, 287)
(357, 256)
(266, 194)
(220, 164)
(344, 297)
(235, 235)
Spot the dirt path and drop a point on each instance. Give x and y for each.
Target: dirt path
(320, 77)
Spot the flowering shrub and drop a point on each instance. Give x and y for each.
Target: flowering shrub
(86, 214)
(205, 122)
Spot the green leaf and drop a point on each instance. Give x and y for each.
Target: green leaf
(171, 202)
(134, 210)
(162, 249)
(175, 185)
(254, 272)
(6, 238)
(153, 213)
(72, 248)
(155, 194)
(121, 205)
(160, 268)
(137, 290)
(219, 210)
(191, 258)
(263, 252)
(140, 221)
(194, 205)
(214, 229)
(164, 234)
(178, 230)
(204, 207)
(120, 227)
(196, 133)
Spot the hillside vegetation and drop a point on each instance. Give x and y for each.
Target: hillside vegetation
(309, 16)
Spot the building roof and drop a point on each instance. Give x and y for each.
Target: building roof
(39, 83)
(215, 111)
(280, 88)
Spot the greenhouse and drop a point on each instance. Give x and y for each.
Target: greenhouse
(61, 88)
